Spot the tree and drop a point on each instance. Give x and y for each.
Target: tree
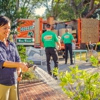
(84, 8)
(71, 9)
(53, 8)
(16, 9)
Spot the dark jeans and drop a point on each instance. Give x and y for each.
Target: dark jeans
(51, 52)
(68, 47)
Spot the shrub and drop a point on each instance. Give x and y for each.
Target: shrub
(94, 61)
(79, 84)
(29, 74)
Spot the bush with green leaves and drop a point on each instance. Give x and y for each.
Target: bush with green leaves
(94, 61)
(22, 52)
(28, 75)
(79, 84)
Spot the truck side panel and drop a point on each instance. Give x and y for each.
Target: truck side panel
(25, 32)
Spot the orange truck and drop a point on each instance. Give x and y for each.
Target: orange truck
(83, 30)
(25, 32)
(86, 30)
(30, 31)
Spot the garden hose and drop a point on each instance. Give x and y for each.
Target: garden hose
(29, 66)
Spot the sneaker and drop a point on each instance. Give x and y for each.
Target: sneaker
(65, 62)
(55, 78)
(72, 64)
(86, 60)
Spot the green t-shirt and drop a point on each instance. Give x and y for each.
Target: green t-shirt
(67, 38)
(49, 39)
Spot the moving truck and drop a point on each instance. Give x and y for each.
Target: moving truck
(83, 30)
(25, 32)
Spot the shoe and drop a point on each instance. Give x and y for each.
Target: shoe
(50, 73)
(63, 56)
(65, 62)
(86, 60)
(72, 64)
(55, 78)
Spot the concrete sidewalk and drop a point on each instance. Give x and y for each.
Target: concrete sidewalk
(63, 67)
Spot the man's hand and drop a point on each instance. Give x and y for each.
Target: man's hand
(59, 48)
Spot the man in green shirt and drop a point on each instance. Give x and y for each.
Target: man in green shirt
(49, 40)
(67, 39)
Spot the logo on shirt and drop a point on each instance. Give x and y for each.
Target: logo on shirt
(49, 37)
(67, 36)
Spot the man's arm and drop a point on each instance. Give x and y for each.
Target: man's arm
(42, 40)
(73, 40)
(59, 45)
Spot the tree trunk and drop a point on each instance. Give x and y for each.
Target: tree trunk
(92, 11)
(17, 4)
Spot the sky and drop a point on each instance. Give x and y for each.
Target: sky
(40, 11)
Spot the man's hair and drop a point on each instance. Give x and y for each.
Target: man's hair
(48, 25)
(4, 20)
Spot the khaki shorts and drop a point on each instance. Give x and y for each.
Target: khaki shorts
(8, 92)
